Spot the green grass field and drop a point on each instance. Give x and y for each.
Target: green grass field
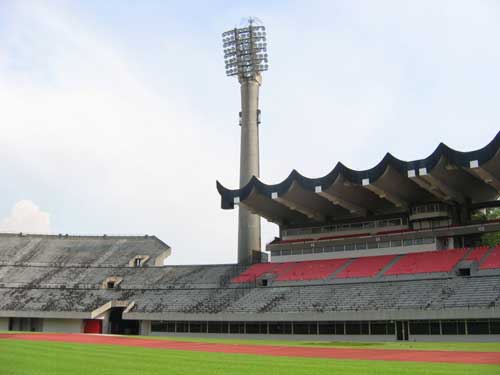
(52, 358)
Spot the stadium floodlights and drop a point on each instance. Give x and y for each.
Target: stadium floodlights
(245, 50)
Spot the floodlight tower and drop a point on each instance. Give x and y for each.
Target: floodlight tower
(245, 55)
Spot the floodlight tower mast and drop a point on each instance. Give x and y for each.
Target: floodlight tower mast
(245, 55)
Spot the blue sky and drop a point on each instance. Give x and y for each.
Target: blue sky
(117, 116)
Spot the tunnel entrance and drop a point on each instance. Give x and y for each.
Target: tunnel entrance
(119, 326)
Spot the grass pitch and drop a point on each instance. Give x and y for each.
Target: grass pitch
(52, 358)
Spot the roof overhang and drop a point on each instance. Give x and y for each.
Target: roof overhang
(393, 185)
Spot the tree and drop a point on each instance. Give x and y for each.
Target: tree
(492, 238)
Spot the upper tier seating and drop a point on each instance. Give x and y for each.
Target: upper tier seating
(427, 262)
(365, 267)
(493, 260)
(260, 269)
(311, 270)
(77, 250)
(413, 263)
(478, 253)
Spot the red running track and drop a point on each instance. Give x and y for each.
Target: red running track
(271, 350)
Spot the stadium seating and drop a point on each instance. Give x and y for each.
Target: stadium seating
(77, 250)
(427, 262)
(414, 263)
(384, 295)
(365, 266)
(258, 270)
(133, 278)
(311, 270)
(477, 253)
(493, 260)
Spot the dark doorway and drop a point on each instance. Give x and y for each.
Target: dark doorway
(119, 326)
(402, 331)
(464, 272)
(25, 324)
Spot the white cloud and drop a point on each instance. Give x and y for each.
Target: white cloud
(26, 217)
(125, 158)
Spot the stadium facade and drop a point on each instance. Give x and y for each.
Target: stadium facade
(392, 253)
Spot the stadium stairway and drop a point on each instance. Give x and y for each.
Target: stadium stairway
(491, 260)
(365, 267)
(427, 262)
(478, 254)
(311, 270)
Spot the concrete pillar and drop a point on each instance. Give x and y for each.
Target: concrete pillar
(105, 322)
(249, 224)
(145, 327)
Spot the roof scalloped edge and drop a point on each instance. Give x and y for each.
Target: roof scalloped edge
(458, 158)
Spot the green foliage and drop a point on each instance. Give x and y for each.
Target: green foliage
(52, 358)
(493, 238)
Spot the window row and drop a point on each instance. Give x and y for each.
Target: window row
(354, 246)
(417, 327)
(430, 224)
(346, 227)
(429, 207)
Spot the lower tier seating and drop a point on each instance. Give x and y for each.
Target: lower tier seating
(426, 294)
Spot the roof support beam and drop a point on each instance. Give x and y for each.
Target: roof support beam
(483, 174)
(426, 185)
(309, 212)
(436, 184)
(381, 193)
(335, 199)
(261, 214)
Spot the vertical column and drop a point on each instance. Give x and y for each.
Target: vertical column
(249, 224)
(145, 327)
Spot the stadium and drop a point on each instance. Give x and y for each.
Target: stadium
(391, 253)
(404, 252)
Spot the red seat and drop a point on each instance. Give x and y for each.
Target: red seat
(427, 262)
(478, 253)
(260, 269)
(493, 260)
(365, 266)
(311, 269)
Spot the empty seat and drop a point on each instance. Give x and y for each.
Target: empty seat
(478, 253)
(427, 262)
(311, 270)
(365, 267)
(493, 259)
(257, 270)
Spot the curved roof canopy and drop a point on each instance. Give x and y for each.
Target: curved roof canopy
(393, 185)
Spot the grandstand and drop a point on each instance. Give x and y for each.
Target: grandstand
(391, 253)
